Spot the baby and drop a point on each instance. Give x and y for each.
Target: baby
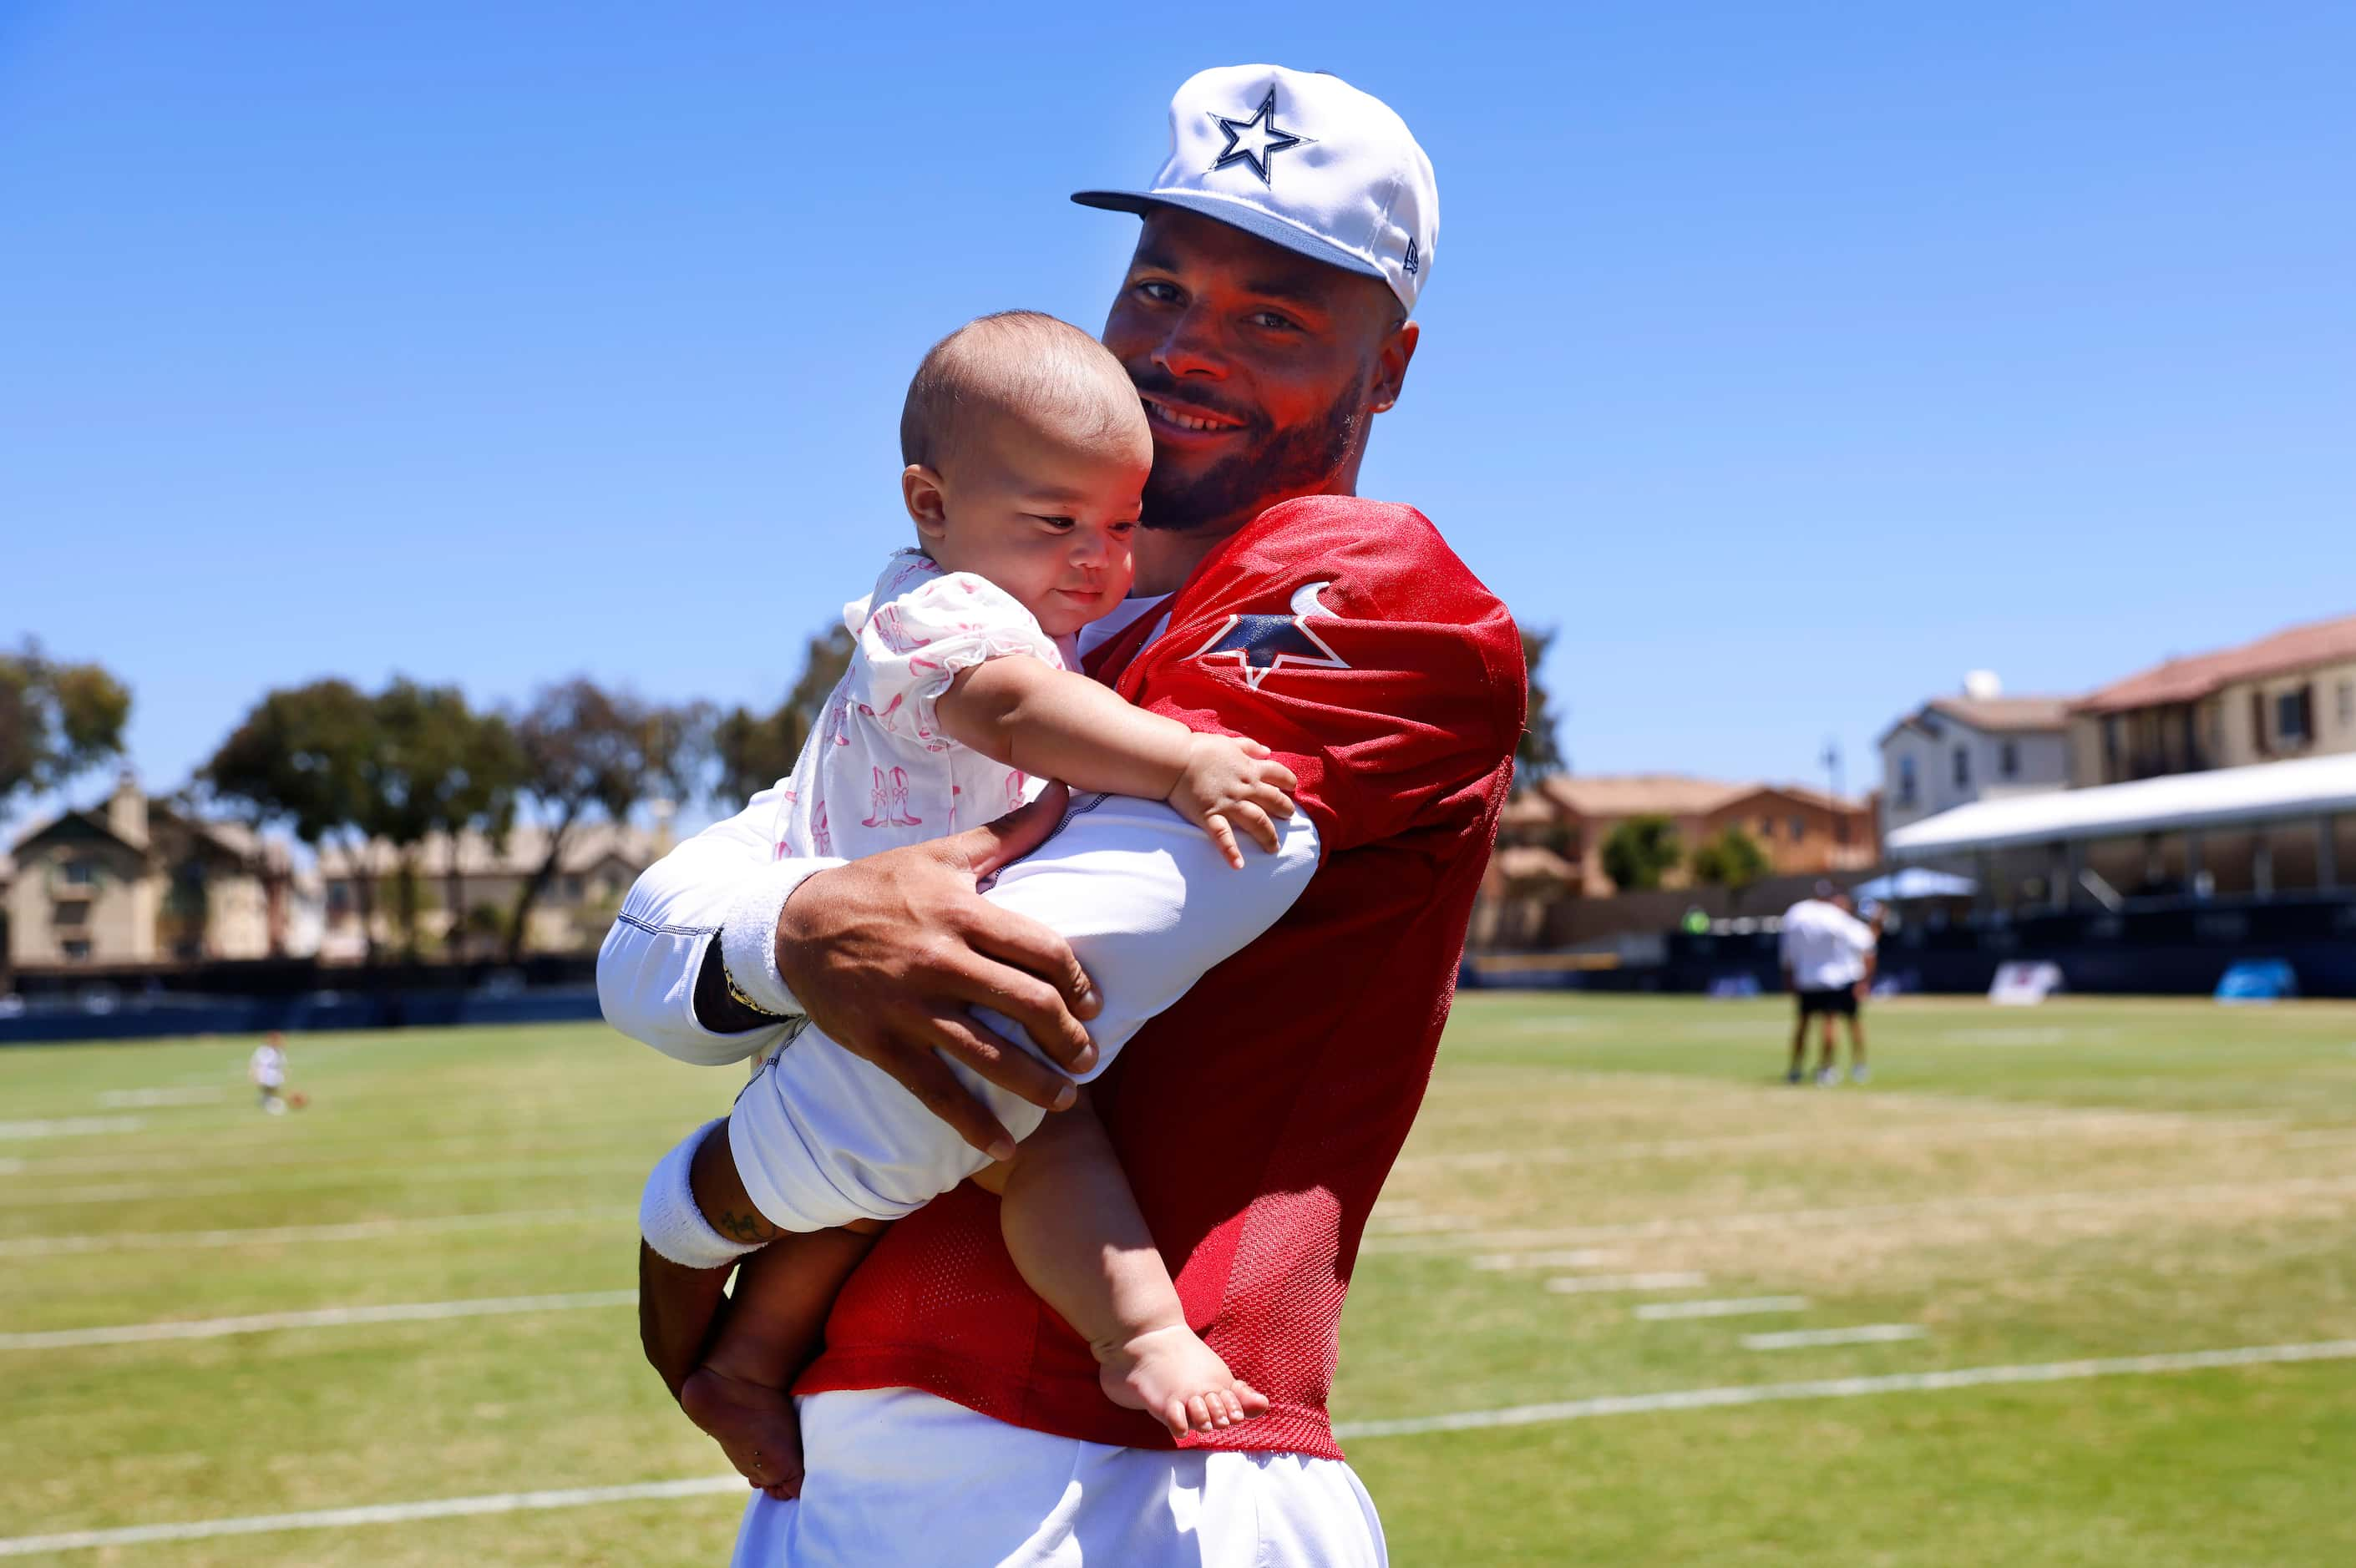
(1026, 453)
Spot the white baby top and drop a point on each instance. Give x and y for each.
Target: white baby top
(877, 773)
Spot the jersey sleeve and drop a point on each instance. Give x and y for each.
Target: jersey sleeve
(914, 642)
(1344, 635)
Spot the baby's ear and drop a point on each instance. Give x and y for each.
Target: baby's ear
(920, 489)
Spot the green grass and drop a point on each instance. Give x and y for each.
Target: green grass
(2085, 1180)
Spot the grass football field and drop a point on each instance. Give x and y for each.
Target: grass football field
(2075, 1285)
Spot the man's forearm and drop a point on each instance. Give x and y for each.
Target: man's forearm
(661, 974)
(1147, 902)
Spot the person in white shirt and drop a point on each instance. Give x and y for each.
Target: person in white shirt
(266, 1071)
(1828, 957)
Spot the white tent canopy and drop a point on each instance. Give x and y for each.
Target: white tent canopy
(2228, 797)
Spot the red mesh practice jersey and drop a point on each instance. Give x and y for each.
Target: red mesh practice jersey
(1258, 1118)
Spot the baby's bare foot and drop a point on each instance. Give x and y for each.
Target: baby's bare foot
(754, 1426)
(1172, 1376)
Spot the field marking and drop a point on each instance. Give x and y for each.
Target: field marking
(318, 1318)
(1787, 1219)
(1409, 1426)
(378, 1513)
(71, 1126)
(118, 1098)
(352, 1231)
(1738, 1306)
(1815, 1140)
(1863, 1334)
(1600, 1283)
(1852, 1388)
(1584, 1257)
(390, 1175)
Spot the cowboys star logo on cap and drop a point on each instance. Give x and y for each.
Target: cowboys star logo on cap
(1262, 644)
(1357, 192)
(1257, 139)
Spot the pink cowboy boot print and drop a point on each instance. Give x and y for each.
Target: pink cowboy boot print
(890, 806)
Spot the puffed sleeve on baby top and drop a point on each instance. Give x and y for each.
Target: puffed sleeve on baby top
(923, 626)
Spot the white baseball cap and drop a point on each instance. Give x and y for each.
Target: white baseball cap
(1304, 160)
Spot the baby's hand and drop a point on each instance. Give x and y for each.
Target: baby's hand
(1228, 783)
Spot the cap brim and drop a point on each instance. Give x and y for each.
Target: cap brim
(1235, 215)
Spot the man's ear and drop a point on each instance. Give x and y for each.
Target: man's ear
(927, 503)
(1390, 366)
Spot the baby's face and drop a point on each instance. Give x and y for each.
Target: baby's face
(1046, 515)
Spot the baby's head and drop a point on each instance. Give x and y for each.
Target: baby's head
(1026, 452)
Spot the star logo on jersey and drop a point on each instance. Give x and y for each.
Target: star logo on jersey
(1262, 644)
(1255, 140)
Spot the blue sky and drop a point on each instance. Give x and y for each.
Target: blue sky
(1791, 359)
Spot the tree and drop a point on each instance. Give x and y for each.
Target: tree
(588, 752)
(1732, 861)
(754, 752)
(301, 758)
(1640, 852)
(436, 766)
(57, 720)
(1538, 752)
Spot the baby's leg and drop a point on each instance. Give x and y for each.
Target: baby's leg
(773, 1325)
(1072, 1225)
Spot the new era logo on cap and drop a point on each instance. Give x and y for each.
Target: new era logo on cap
(1302, 160)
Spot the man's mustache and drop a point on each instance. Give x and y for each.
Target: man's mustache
(1165, 386)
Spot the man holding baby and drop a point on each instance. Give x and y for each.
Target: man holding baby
(1314, 685)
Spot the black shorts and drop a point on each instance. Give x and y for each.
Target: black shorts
(1842, 1000)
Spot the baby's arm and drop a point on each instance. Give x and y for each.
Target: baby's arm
(1074, 1230)
(1017, 710)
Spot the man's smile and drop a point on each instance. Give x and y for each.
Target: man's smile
(1190, 417)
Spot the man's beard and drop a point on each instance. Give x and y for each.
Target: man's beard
(1295, 461)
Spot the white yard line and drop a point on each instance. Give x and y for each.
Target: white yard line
(1740, 1307)
(71, 1126)
(1790, 1219)
(393, 1174)
(1584, 1257)
(378, 1513)
(353, 1230)
(1863, 1334)
(1460, 1421)
(1601, 1284)
(1852, 1388)
(122, 1097)
(320, 1317)
(2022, 1126)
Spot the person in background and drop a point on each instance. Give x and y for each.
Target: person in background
(266, 1069)
(1828, 957)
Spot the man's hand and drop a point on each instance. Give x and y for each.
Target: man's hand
(889, 953)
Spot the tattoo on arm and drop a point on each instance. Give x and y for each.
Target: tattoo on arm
(746, 1227)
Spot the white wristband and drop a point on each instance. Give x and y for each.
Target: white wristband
(669, 1219)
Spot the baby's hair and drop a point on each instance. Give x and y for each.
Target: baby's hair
(1023, 362)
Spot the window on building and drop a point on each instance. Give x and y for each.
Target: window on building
(569, 890)
(2348, 705)
(1962, 767)
(2295, 716)
(1907, 783)
(79, 873)
(2111, 746)
(1799, 830)
(2008, 760)
(75, 952)
(73, 914)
